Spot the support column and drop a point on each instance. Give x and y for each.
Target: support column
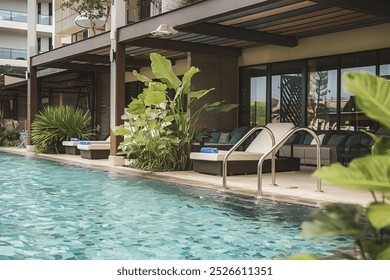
(31, 75)
(117, 78)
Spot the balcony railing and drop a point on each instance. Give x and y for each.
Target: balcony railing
(22, 17)
(45, 19)
(8, 53)
(13, 16)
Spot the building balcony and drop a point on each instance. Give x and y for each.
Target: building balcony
(15, 16)
(8, 53)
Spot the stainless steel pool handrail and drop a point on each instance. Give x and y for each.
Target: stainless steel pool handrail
(277, 146)
(246, 136)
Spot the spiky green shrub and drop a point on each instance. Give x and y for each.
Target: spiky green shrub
(56, 124)
(9, 137)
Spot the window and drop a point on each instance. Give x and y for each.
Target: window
(79, 36)
(287, 92)
(322, 94)
(253, 111)
(351, 117)
(384, 68)
(308, 92)
(39, 42)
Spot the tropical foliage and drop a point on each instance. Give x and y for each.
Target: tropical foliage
(56, 124)
(370, 227)
(161, 122)
(9, 137)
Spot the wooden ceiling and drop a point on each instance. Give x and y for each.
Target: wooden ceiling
(222, 27)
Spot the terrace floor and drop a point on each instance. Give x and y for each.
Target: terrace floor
(295, 187)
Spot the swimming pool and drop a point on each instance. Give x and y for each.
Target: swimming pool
(54, 211)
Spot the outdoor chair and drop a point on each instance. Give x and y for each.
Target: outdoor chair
(245, 162)
(94, 149)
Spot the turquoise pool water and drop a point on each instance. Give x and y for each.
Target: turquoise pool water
(54, 211)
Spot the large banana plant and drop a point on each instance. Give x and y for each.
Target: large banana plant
(370, 227)
(161, 127)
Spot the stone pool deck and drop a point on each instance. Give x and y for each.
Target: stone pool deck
(295, 187)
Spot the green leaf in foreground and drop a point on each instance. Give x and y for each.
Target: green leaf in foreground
(337, 219)
(382, 146)
(379, 215)
(384, 255)
(372, 94)
(367, 173)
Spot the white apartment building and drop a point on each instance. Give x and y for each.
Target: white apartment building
(14, 46)
(13, 30)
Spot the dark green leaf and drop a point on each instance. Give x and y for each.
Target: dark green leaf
(376, 249)
(337, 219)
(384, 254)
(381, 146)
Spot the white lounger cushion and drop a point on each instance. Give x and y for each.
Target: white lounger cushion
(70, 143)
(75, 143)
(263, 143)
(259, 146)
(94, 146)
(237, 155)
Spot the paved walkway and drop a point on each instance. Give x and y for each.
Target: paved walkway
(296, 187)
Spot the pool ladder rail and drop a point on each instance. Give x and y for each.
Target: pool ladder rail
(275, 147)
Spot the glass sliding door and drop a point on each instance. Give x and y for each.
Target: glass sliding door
(322, 94)
(258, 101)
(351, 117)
(287, 92)
(384, 68)
(254, 96)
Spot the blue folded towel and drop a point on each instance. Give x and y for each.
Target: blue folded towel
(74, 139)
(209, 150)
(85, 142)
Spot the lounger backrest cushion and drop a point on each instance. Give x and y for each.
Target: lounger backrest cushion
(263, 143)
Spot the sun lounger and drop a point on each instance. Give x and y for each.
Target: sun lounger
(94, 149)
(245, 162)
(71, 146)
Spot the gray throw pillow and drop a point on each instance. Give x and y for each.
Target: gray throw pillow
(224, 138)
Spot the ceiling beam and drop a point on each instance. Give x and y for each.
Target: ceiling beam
(73, 50)
(93, 58)
(79, 67)
(104, 59)
(137, 62)
(164, 44)
(223, 31)
(379, 8)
